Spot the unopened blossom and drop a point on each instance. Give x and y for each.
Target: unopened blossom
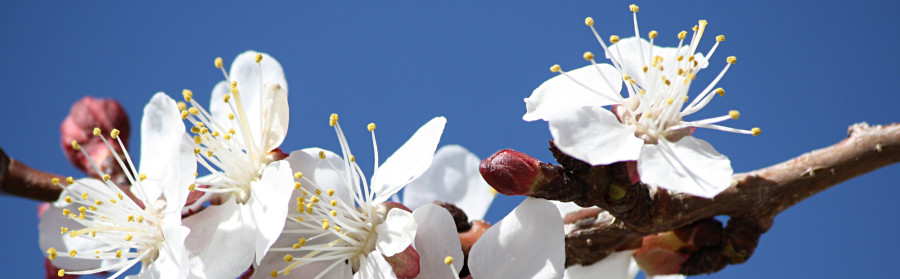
(237, 141)
(101, 229)
(646, 122)
(342, 224)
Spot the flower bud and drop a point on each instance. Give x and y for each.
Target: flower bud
(85, 115)
(405, 264)
(512, 172)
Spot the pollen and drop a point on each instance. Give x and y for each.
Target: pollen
(114, 133)
(720, 38)
(720, 91)
(98, 202)
(73, 253)
(333, 213)
(196, 151)
(184, 114)
(68, 199)
(84, 196)
(128, 237)
(588, 56)
(731, 59)
(187, 94)
(318, 192)
(314, 199)
(653, 34)
(682, 35)
(297, 186)
(274, 273)
(193, 111)
(670, 100)
(258, 57)
(66, 212)
(226, 98)
(61, 273)
(70, 180)
(140, 218)
(51, 253)
(63, 230)
(633, 8)
(119, 254)
(330, 192)
(755, 131)
(734, 114)
(130, 218)
(614, 39)
(589, 21)
(333, 202)
(298, 175)
(288, 258)
(192, 187)
(371, 127)
(197, 139)
(231, 117)
(448, 260)
(555, 68)
(322, 154)
(333, 119)
(324, 224)
(75, 145)
(182, 106)
(352, 158)
(97, 131)
(55, 181)
(218, 62)
(106, 177)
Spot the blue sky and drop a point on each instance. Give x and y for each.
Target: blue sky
(806, 70)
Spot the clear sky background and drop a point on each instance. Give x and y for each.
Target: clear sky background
(806, 70)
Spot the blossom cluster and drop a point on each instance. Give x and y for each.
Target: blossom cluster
(260, 212)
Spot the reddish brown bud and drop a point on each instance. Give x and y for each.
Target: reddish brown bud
(512, 172)
(660, 254)
(405, 264)
(468, 238)
(84, 116)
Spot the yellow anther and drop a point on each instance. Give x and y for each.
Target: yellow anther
(218, 62)
(97, 131)
(614, 39)
(197, 139)
(119, 254)
(321, 154)
(692, 76)
(653, 34)
(187, 94)
(63, 230)
(325, 224)
(330, 192)
(333, 119)
(204, 130)
(685, 99)
(61, 273)
(695, 28)
(93, 233)
(92, 208)
(52, 252)
(231, 117)
(258, 57)
(192, 187)
(209, 153)
(234, 89)
(182, 106)
(114, 133)
(233, 83)
(66, 212)
(633, 8)
(227, 137)
(371, 127)
(73, 253)
(731, 59)
(55, 181)
(720, 91)
(112, 200)
(301, 241)
(555, 68)
(588, 56)
(195, 130)
(682, 35)
(215, 133)
(68, 199)
(297, 186)
(193, 111)
(184, 114)
(274, 273)
(298, 175)
(333, 202)
(106, 177)
(140, 218)
(589, 21)
(670, 100)
(668, 82)
(128, 237)
(448, 260)
(70, 180)
(297, 245)
(755, 131)
(98, 202)
(84, 196)
(645, 69)
(352, 158)
(81, 216)
(314, 199)
(734, 114)
(318, 192)
(691, 58)
(288, 258)
(231, 131)
(720, 38)
(75, 145)
(680, 57)
(336, 228)
(196, 151)
(626, 77)
(130, 218)
(333, 213)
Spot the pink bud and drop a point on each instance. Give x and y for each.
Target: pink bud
(511, 172)
(659, 254)
(84, 116)
(405, 264)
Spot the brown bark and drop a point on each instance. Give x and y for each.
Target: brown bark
(19, 179)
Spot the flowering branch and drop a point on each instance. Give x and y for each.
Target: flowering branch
(752, 202)
(19, 179)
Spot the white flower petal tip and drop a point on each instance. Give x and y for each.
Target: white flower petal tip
(101, 229)
(530, 238)
(453, 178)
(651, 111)
(340, 218)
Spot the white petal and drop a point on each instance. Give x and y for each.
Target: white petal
(454, 178)
(396, 233)
(246, 72)
(594, 135)
(436, 238)
(172, 261)
(374, 266)
(162, 132)
(53, 219)
(690, 166)
(275, 116)
(179, 176)
(221, 243)
(218, 108)
(409, 161)
(268, 204)
(562, 93)
(320, 172)
(626, 51)
(530, 239)
(614, 266)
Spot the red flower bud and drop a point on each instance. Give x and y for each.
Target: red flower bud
(512, 172)
(405, 264)
(84, 116)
